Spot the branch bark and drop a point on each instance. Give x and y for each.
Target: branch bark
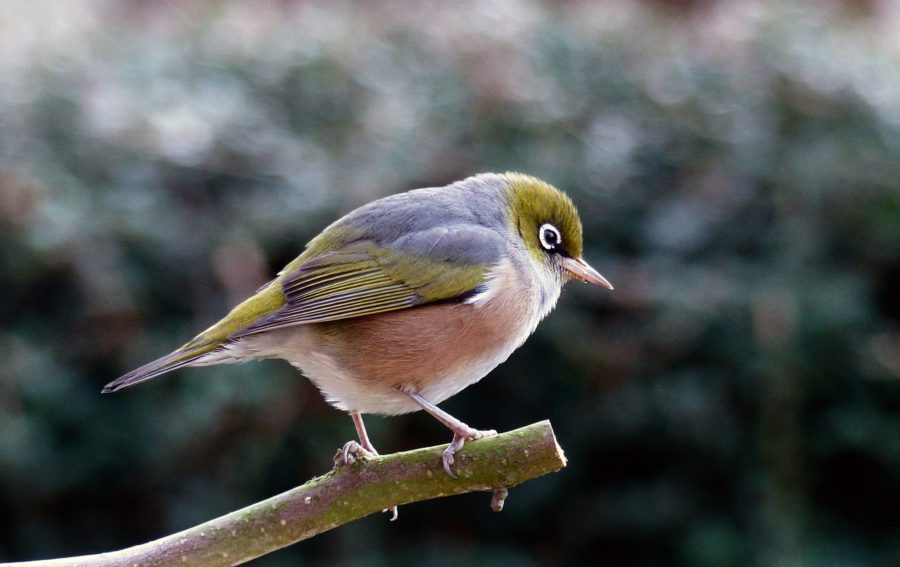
(345, 494)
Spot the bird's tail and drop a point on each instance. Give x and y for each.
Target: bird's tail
(185, 356)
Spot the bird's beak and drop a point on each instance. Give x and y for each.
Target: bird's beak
(581, 270)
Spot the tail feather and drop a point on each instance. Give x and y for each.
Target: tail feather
(185, 356)
(207, 347)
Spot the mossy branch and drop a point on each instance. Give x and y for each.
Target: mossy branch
(343, 495)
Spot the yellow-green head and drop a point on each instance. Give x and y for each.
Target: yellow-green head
(547, 221)
(533, 203)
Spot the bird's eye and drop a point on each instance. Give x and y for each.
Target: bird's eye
(549, 236)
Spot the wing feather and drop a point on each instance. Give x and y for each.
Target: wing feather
(365, 278)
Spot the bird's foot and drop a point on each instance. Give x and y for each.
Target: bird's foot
(351, 452)
(460, 436)
(394, 513)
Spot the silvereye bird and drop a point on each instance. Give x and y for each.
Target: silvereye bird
(407, 300)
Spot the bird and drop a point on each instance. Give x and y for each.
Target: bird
(407, 300)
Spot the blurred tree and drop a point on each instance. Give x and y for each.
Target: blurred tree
(736, 163)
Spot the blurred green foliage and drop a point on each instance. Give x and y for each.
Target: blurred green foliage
(737, 165)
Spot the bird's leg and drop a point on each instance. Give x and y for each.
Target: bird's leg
(352, 450)
(461, 431)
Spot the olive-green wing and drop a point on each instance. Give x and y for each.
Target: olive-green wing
(364, 278)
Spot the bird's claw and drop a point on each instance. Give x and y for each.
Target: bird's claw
(459, 440)
(350, 453)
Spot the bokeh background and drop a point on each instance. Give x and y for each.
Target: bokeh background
(736, 400)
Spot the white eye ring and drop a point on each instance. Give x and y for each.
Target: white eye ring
(549, 236)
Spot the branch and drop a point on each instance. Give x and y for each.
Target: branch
(343, 495)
